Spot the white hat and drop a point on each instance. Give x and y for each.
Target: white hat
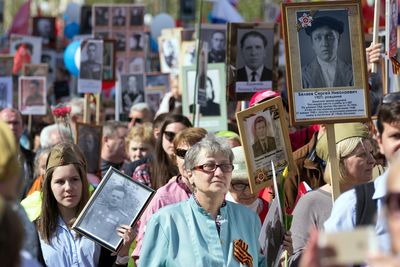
(240, 170)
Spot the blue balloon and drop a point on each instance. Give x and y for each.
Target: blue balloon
(69, 57)
(70, 30)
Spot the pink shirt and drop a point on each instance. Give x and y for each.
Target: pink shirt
(173, 192)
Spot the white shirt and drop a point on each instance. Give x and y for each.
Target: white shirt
(328, 71)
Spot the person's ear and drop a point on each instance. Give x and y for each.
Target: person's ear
(379, 139)
(190, 176)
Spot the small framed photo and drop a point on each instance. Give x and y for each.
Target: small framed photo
(6, 65)
(136, 15)
(120, 38)
(45, 27)
(119, 16)
(108, 60)
(101, 15)
(136, 64)
(86, 20)
(88, 138)
(36, 70)
(250, 58)
(49, 57)
(325, 62)
(132, 91)
(215, 36)
(91, 66)
(6, 92)
(117, 200)
(137, 41)
(32, 95)
(25, 44)
(211, 100)
(156, 79)
(154, 97)
(169, 47)
(188, 53)
(265, 137)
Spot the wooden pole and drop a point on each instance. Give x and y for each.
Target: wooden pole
(376, 30)
(86, 109)
(332, 157)
(98, 106)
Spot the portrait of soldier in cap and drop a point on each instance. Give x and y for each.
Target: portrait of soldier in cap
(91, 68)
(326, 69)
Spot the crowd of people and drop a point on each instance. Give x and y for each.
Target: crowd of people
(203, 212)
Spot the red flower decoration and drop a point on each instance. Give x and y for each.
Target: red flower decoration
(61, 112)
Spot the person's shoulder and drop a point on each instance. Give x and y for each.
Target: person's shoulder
(310, 66)
(170, 211)
(240, 211)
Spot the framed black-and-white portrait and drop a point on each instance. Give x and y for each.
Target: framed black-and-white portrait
(45, 27)
(88, 138)
(212, 104)
(251, 58)
(136, 15)
(120, 38)
(132, 91)
(215, 37)
(86, 20)
(108, 60)
(117, 200)
(6, 92)
(91, 66)
(49, 57)
(154, 97)
(6, 65)
(188, 53)
(29, 46)
(32, 95)
(264, 133)
(169, 47)
(136, 64)
(137, 41)
(119, 16)
(325, 62)
(101, 15)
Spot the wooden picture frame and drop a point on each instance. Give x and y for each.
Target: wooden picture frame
(338, 92)
(265, 121)
(117, 200)
(45, 27)
(89, 139)
(250, 58)
(213, 116)
(36, 70)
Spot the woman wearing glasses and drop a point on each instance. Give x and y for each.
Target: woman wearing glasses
(161, 168)
(205, 230)
(178, 187)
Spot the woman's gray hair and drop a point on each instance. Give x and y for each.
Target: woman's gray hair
(41, 151)
(210, 145)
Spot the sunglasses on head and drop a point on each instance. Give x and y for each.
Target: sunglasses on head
(180, 153)
(169, 135)
(391, 97)
(392, 202)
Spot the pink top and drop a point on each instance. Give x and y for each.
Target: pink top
(173, 192)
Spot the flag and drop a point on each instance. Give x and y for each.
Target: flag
(223, 12)
(20, 24)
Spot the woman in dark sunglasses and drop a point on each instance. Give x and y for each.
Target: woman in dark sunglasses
(161, 168)
(178, 187)
(204, 230)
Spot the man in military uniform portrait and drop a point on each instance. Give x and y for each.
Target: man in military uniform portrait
(326, 69)
(216, 53)
(133, 92)
(107, 215)
(35, 97)
(262, 142)
(90, 68)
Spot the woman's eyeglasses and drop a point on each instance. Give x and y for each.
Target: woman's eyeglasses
(169, 136)
(240, 186)
(180, 153)
(392, 202)
(211, 167)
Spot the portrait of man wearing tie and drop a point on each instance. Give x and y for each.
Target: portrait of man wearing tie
(253, 47)
(262, 142)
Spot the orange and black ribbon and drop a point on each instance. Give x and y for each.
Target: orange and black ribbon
(395, 65)
(241, 254)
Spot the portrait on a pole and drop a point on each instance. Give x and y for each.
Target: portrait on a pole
(325, 62)
(250, 58)
(91, 67)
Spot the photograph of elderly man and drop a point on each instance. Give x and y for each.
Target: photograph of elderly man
(217, 47)
(326, 66)
(253, 47)
(262, 142)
